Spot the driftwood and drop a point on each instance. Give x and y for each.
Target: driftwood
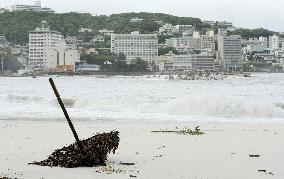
(95, 151)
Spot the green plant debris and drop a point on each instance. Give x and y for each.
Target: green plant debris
(183, 131)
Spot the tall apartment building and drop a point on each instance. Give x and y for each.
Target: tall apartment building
(35, 7)
(230, 52)
(274, 42)
(208, 42)
(47, 49)
(135, 45)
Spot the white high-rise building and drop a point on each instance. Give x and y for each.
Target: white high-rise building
(208, 42)
(35, 7)
(40, 41)
(47, 49)
(274, 42)
(135, 45)
(230, 52)
(264, 41)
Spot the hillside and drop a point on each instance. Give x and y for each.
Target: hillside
(16, 25)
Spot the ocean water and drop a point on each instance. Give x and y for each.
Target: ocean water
(236, 99)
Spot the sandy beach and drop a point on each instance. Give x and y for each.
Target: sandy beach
(223, 152)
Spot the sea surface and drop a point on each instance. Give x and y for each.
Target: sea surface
(259, 99)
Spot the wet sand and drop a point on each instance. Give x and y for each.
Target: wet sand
(223, 152)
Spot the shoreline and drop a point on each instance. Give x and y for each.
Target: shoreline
(222, 152)
(113, 74)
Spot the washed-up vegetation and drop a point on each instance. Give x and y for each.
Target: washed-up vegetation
(94, 152)
(183, 131)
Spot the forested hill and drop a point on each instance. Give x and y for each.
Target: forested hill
(16, 25)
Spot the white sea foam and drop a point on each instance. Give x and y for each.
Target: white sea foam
(258, 99)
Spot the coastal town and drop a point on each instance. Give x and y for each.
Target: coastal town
(168, 49)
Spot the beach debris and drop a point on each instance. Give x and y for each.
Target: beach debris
(265, 172)
(254, 156)
(132, 176)
(4, 177)
(109, 170)
(161, 147)
(126, 163)
(270, 173)
(83, 153)
(158, 156)
(184, 131)
(95, 151)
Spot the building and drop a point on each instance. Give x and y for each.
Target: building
(98, 38)
(48, 49)
(211, 23)
(84, 30)
(199, 62)
(167, 29)
(274, 42)
(208, 42)
(254, 45)
(106, 32)
(255, 48)
(225, 24)
(135, 45)
(185, 29)
(92, 51)
(2, 39)
(204, 62)
(229, 52)
(163, 61)
(182, 62)
(36, 7)
(136, 19)
(62, 59)
(71, 39)
(189, 43)
(232, 29)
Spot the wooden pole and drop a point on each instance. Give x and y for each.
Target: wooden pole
(65, 113)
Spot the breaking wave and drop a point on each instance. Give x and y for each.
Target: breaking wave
(23, 99)
(221, 106)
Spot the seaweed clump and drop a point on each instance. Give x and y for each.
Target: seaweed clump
(94, 152)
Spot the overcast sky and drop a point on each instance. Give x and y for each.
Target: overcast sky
(243, 13)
